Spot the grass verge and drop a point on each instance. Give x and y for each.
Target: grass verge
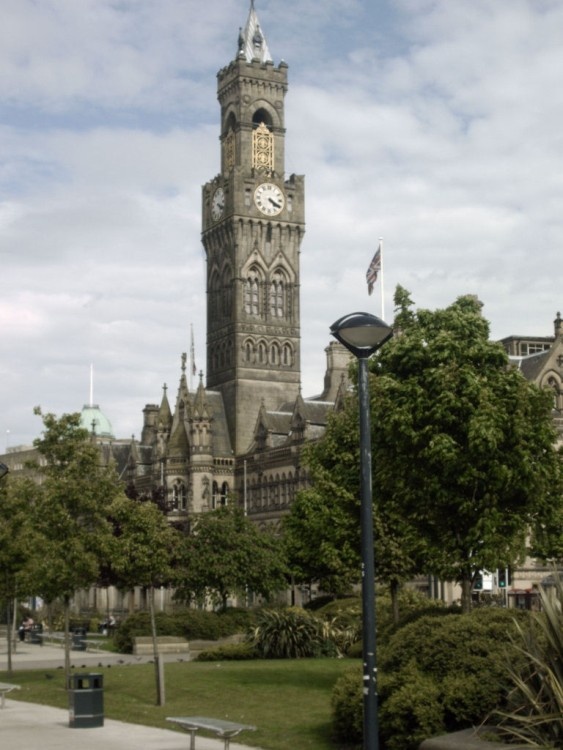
(288, 700)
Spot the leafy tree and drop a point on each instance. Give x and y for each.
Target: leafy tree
(322, 530)
(464, 444)
(68, 510)
(15, 539)
(140, 553)
(225, 554)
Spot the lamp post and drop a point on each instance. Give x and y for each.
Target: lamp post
(362, 334)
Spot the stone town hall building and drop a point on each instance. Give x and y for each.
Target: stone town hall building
(239, 438)
(241, 435)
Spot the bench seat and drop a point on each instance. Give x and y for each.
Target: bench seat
(224, 730)
(6, 687)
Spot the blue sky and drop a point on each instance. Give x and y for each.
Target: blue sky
(434, 124)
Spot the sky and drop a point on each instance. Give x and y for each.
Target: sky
(433, 124)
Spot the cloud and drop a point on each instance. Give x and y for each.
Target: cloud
(432, 124)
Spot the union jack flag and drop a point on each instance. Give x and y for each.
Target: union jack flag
(373, 270)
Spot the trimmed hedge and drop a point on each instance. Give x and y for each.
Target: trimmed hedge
(436, 675)
(190, 624)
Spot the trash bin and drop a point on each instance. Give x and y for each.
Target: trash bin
(36, 634)
(79, 639)
(86, 701)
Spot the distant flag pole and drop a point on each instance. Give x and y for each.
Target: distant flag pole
(192, 356)
(375, 269)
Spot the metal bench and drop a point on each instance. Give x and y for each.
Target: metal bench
(6, 687)
(224, 730)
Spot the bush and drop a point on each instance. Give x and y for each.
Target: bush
(534, 713)
(436, 674)
(347, 707)
(410, 710)
(229, 652)
(291, 633)
(190, 624)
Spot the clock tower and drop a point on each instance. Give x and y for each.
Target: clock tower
(253, 224)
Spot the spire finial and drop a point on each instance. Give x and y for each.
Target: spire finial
(184, 358)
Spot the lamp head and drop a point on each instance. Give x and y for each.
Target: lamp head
(361, 333)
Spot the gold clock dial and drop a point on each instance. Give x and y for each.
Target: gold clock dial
(218, 204)
(269, 199)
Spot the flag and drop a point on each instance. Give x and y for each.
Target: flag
(374, 269)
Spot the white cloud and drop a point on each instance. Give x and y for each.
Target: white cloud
(431, 123)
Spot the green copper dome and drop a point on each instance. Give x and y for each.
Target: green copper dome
(94, 420)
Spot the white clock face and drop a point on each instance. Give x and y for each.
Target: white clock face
(269, 199)
(218, 204)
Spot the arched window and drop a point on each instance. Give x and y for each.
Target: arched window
(252, 292)
(277, 295)
(248, 351)
(215, 496)
(224, 494)
(262, 353)
(287, 358)
(262, 141)
(226, 292)
(274, 354)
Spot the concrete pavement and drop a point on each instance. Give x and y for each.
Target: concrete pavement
(30, 726)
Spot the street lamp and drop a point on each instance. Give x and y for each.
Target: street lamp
(3, 470)
(363, 334)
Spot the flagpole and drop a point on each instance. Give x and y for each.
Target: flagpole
(382, 286)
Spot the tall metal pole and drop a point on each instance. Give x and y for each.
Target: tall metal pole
(371, 722)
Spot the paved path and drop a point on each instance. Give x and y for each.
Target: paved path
(30, 726)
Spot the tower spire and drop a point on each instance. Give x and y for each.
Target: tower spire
(252, 42)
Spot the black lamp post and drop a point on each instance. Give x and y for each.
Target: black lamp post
(3, 470)
(363, 334)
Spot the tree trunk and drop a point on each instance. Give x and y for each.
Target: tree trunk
(466, 601)
(158, 666)
(67, 639)
(9, 636)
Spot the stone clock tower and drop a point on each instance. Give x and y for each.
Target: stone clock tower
(253, 224)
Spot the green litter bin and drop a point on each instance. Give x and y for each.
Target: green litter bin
(79, 639)
(86, 701)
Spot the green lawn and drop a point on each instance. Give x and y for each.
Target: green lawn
(288, 700)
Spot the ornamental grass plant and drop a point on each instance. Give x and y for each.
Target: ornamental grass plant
(535, 703)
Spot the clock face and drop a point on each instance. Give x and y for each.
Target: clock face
(269, 199)
(217, 204)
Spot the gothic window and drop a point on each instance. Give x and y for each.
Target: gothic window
(262, 148)
(252, 292)
(277, 298)
(224, 494)
(178, 496)
(248, 351)
(229, 150)
(215, 496)
(262, 353)
(226, 293)
(287, 359)
(214, 294)
(274, 354)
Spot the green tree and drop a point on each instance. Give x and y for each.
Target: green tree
(464, 444)
(224, 555)
(69, 513)
(322, 530)
(15, 549)
(141, 553)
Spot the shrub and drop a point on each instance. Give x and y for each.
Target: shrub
(290, 633)
(535, 704)
(189, 624)
(229, 652)
(436, 674)
(347, 707)
(410, 710)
